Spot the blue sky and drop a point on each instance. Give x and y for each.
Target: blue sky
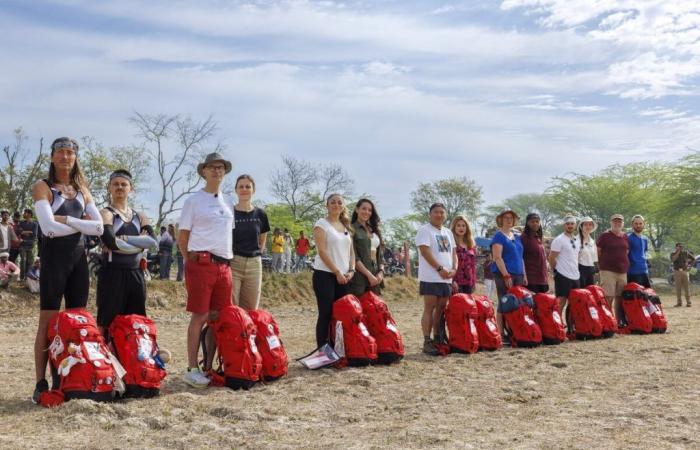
(509, 93)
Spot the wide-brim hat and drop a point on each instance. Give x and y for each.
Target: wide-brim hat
(210, 158)
(589, 219)
(499, 217)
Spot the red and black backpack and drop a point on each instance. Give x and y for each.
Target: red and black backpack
(635, 305)
(274, 357)
(548, 317)
(659, 323)
(383, 328)
(460, 317)
(349, 334)
(607, 318)
(582, 315)
(516, 307)
(486, 328)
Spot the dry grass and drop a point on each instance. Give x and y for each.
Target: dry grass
(626, 392)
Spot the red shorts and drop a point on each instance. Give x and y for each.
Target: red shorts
(208, 285)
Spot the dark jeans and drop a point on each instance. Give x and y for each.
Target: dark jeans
(587, 273)
(327, 291)
(639, 278)
(14, 253)
(166, 260)
(180, 266)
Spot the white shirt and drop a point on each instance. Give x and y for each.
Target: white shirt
(374, 245)
(441, 243)
(567, 259)
(5, 236)
(589, 253)
(209, 218)
(338, 246)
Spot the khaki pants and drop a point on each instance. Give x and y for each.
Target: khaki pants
(682, 282)
(247, 281)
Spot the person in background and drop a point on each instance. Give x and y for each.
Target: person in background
(277, 249)
(287, 251)
(588, 257)
(334, 265)
(638, 271)
(7, 231)
(302, 248)
(33, 274)
(367, 245)
(682, 260)
(165, 251)
(534, 255)
(8, 270)
(28, 231)
(613, 248)
(177, 255)
(252, 226)
(489, 283)
(508, 267)
(437, 264)
(464, 280)
(15, 245)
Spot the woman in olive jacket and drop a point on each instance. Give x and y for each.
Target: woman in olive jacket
(368, 245)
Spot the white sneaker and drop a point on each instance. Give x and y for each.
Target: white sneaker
(195, 378)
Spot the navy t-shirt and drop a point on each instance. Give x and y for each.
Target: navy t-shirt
(512, 253)
(637, 254)
(249, 226)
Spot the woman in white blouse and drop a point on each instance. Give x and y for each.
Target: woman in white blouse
(588, 257)
(334, 265)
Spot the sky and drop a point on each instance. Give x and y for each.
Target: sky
(509, 93)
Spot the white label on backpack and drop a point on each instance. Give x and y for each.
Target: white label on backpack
(252, 343)
(56, 347)
(93, 351)
(594, 312)
(273, 342)
(363, 329)
(556, 317)
(390, 326)
(646, 312)
(528, 320)
(339, 346)
(472, 327)
(492, 326)
(145, 347)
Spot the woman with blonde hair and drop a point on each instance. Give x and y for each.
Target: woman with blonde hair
(334, 265)
(464, 280)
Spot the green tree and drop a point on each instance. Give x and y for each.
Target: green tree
(21, 168)
(401, 229)
(460, 195)
(523, 204)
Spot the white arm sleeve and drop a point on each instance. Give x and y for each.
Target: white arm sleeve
(127, 249)
(91, 227)
(142, 242)
(49, 226)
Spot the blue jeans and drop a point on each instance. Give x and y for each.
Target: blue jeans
(166, 260)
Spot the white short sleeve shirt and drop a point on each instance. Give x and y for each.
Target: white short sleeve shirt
(441, 243)
(337, 245)
(567, 259)
(209, 219)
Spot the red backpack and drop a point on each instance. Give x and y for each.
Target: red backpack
(349, 334)
(607, 318)
(486, 328)
(582, 315)
(78, 353)
(548, 317)
(274, 357)
(134, 339)
(383, 328)
(658, 318)
(635, 305)
(460, 318)
(240, 363)
(518, 318)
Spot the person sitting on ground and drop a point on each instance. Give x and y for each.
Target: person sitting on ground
(8, 270)
(32, 276)
(465, 278)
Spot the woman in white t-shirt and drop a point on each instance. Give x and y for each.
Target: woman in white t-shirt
(588, 257)
(334, 265)
(437, 264)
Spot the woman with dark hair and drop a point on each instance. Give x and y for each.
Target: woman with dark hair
(588, 257)
(249, 239)
(368, 245)
(62, 202)
(334, 265)
(464, 280)
(534, 255)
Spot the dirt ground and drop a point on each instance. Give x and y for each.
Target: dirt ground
(625, 392)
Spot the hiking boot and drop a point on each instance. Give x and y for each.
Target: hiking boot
(688, 304)
(678, 305)
(429, 348)
(41, 386)
(195, 378)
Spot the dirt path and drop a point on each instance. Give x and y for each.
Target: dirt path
(626, 392)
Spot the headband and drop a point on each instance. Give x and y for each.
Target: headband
(121, 174)
(64, 143)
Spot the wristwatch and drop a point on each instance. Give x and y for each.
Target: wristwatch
(439, 268)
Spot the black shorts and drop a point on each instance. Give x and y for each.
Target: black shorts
(639, 278)
(587, 275)
(64, 274)
(465, 289)
(119, 291)
(562, 285)
(436, 289)
(538, 288)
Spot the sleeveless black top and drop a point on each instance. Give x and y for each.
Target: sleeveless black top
(122, 228)
(61, 206)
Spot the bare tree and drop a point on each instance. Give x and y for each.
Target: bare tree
(20, 170)
(303, 186)
(176, 170)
